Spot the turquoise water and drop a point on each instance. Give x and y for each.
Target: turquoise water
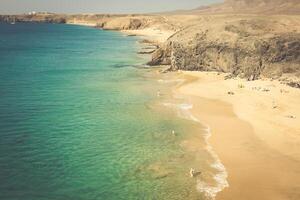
(80, 119)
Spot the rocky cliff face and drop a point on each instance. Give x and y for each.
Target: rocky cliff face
(246, 45)
(250, 48)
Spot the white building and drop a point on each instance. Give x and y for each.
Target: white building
(32, 13)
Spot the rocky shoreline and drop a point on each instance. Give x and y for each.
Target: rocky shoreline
(254, 123)
(250, 46)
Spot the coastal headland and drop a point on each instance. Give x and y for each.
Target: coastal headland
(241, 63)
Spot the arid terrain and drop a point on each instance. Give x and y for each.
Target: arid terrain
(250, 39)
(247, 90)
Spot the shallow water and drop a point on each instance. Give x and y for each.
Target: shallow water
(80, 120)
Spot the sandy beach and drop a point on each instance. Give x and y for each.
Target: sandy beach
(255, 132)
(255, 128)
(153, 34)
(232, 70)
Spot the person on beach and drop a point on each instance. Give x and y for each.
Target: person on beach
(173, 133)
(158, 93)
(192, 172)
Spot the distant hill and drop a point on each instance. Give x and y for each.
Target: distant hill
(253, 6)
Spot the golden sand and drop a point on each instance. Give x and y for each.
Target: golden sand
(255, 132)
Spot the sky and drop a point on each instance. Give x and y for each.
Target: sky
(98, 6)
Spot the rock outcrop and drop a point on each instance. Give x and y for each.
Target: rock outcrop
(250, 48)
(245, 45)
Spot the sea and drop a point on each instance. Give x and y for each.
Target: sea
(82, 117)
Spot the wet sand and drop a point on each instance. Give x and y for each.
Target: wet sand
(255, 129)
(255, 133)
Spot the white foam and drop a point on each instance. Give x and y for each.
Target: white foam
(185, 106)
(171, 81)
(168, 104)
(209, 190)
(183, 110)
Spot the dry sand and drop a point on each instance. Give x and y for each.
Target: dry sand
(255, 132)
(152, 34)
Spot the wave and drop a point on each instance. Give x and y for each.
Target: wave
(220, 177)
(209, 190)
(171, 81)
(183, 110)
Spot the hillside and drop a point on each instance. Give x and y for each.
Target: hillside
(289, 7)
(247, 46)
(216, 38)
(237, 37)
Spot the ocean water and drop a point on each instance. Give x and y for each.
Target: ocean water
(80, 118)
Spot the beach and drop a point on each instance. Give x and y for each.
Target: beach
(242, 136)
(253, 126)
(254, 131)
(107, 137)
(199, 103)
(82, 122)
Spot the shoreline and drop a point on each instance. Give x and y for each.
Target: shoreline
(212, 176)
(154, 35)
(254, 149)
(254, 159)
(253, 128)
(265, 163)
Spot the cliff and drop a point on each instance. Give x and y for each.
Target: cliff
(214, 38)
(247, 46)
(247, 38)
